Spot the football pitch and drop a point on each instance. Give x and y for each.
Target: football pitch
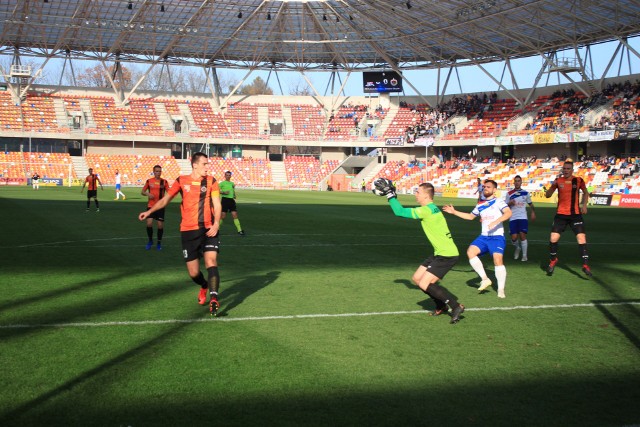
(319, 323)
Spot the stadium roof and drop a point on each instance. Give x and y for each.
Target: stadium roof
(310, 35)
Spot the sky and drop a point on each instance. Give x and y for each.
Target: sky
(472, 79)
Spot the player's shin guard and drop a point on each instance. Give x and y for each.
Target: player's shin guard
(583, 253)
(237, 223)
(476, 264)
(150, 233)
(438, 292)
(214, 280)
(553, 250)
(200, 280)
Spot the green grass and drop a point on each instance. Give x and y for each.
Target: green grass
(95, 330)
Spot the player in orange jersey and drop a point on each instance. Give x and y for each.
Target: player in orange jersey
(155, 188)
(571, 207)
(200, 211)
(92, 191)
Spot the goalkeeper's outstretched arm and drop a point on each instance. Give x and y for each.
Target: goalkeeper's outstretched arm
(400, 210)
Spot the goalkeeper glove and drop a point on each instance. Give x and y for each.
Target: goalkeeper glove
(391, 194)
(384, 185)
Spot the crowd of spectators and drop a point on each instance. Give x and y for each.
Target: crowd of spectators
(625, 114)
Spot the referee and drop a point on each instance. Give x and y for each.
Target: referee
(228, 200)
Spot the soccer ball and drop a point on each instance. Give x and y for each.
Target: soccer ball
(375, 191)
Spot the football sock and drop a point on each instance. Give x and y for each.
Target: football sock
(553, 250)
(97, 204)
(439, 303)
(438, 292)
(583, 253)
(515, 243)
(150, 233)
(213, 295)
(524, 245)
(501, 276)
(214, 280)
(476, 264)
(236, 221)
(88, 203)
(160, 234)
(199, 280)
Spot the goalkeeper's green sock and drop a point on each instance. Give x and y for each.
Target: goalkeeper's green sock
(236, 221)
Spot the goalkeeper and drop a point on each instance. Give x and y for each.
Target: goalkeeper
(446, 254)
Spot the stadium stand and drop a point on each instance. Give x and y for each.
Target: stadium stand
(255, 173)
(12, 169)
(210, 124)
(242, 120)
(344, 124)
(307, 171)
(138, 118)
(49, 165)
(10, 117)
(134, 169)
(308, 122)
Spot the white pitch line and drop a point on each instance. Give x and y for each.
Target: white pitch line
(300, 316)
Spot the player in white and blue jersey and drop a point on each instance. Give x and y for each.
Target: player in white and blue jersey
(518, 199)
(492, 213)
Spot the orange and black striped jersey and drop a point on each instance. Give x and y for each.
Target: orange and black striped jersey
(92, 181)
(197, 205)
(157, 188)
(569, 194)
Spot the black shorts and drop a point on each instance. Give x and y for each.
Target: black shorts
(228, 204)
(92, 194)
(196, 242)
(157, 215)
(439, 266)
(560, 223)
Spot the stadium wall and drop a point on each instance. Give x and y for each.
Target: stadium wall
(128, 147)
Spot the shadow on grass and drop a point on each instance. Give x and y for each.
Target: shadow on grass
(615, 320)
(25, 322)
(236, 294)
(45, 292)
(547, 401)
(9, 418)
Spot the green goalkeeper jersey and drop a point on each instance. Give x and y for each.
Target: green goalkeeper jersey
(227, 186)
(433, 223)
